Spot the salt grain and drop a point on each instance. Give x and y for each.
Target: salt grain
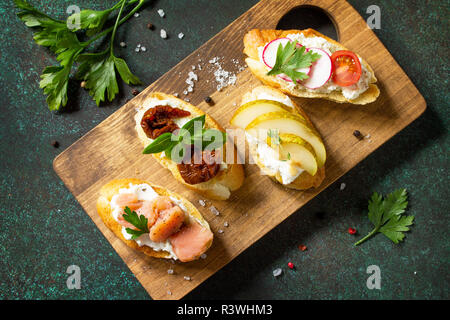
(181, 35)
(277, 272)
(136, 15)
(220, 231)
(187, 278)
(203, 256)
(143, 49)
(161, 13)
(169, 292)
(170, 271)
(163, 34)
(214, 210)
(202, 202)
(225, 224)
(343, 185)
(123, 44)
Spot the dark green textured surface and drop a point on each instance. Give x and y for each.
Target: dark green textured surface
(44, 230)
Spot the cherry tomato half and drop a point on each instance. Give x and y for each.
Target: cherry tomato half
(347, 68)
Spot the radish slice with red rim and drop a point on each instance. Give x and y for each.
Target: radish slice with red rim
(269, 56)
(321, 70)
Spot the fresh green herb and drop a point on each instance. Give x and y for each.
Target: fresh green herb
(97, 69)
(290, 58)
(274, 136)
(140, 222)
(289, 156)
(387, 216)
(192, 133)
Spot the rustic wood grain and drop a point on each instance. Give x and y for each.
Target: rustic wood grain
(111, 150)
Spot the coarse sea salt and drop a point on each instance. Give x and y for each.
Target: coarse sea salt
(161, 13)
(223, 77)
(342, 187)
(181, 35)
(214, 210)
(163, 34)
(277, 272)
(202, 202)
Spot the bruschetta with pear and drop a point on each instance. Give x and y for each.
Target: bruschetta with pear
(282, 140)
(308, 64)
(154, 220)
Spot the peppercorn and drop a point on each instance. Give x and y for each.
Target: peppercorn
(302, 247)
(357, 134)
(352, 231)
(135, 92)
(55, 143)
(209, 100)
(150, 26)
(291, 265)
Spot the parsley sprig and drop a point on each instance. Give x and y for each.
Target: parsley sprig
(97, 69)
(140, 222)
(387, 216)
(290, 58)
(192, 133)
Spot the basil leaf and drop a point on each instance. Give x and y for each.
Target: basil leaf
(190, 125)
(160, 144)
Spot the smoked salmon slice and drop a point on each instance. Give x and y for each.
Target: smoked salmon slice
(191, 241)
(168, 222)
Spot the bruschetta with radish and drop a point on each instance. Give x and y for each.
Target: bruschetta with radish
(282, 140)
(308, 64)
(176, 133)
(154, 220)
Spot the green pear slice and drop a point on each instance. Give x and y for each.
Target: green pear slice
(285, 122)
(253, 109)
(297, 150)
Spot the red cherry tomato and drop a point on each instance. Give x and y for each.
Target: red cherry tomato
(347, 68)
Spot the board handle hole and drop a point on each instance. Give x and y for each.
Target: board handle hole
(307, 16)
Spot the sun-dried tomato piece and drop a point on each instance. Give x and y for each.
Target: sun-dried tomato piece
(158, 120)
(194, 173)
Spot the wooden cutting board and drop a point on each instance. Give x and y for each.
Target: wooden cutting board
(111, 150)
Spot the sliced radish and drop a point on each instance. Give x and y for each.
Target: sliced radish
(269, 56)
(321, 70)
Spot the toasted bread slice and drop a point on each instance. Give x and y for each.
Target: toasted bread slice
(227, 180)
(105, 212)
(256, 38)
(304, 180)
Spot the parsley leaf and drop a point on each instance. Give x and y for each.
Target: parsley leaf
(291, 58)
(387, 216)
(140, 222)
(97, 69)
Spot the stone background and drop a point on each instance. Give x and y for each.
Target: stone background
(44, 230)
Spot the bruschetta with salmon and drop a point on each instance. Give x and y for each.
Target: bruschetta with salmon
(154, 220)
(190, 143)
(308, 64)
